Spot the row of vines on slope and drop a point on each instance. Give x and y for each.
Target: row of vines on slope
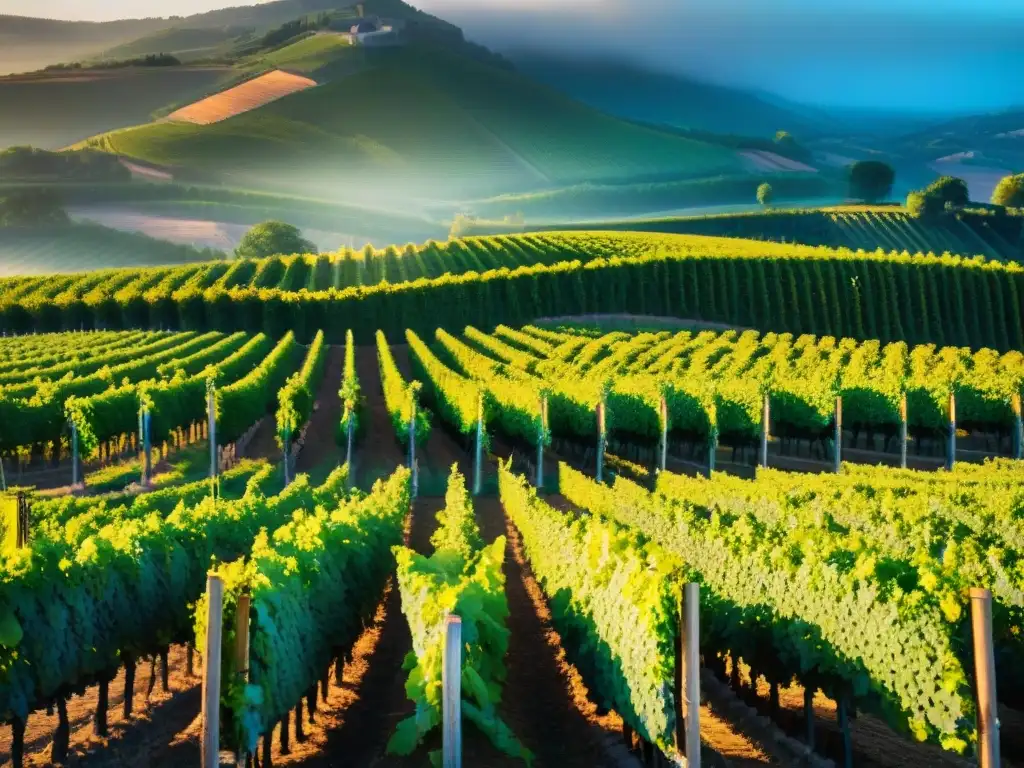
(785, 288)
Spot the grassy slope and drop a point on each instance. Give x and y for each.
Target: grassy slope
(81, 247)
(186, 43)
(53, 111)
(422, 116)
(858, 227)
(310, 55)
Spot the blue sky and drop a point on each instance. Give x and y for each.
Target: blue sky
(918, 55)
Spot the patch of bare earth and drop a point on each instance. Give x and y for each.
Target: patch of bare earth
(249, 95)
(157, 716)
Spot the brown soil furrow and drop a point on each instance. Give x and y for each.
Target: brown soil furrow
(544, 700)
(321, 437)
(129, 742)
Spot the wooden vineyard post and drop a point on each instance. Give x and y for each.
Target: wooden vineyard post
(540, 440)
(413, 467)
(74, 456)
(24, 523)
(951, 451)
(145, 424)
(600, 439)
(712, 450)
(985, 678)
(211, 428)
(766, 412)
(687, 733)
(348, 438)
(242, 649)
(141, 447)
(211, 672)
(1018, 427)
(838, 438)
(479, 453)
(287, 462)
(663, 447)
(451, 680)
(903, 431)
(843, 718)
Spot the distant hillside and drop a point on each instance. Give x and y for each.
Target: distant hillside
(866, 228)
(27, 44)
(79, 247)
(237, 31)
(624, 89)
(54, 110)
(185, 43)
(421, 120)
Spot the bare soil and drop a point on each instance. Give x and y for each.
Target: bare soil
(130, 741)
(321, 443)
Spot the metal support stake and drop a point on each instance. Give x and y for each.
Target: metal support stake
(210, 744)
(479, 457)
(951, 455)
(765, 427)
(147, 447)
(451, 681)
(1018, 428)
(542, 434)
(903, 431)
(838, 438)
(663, 455)
(687, 734)
(211, 429)
(74, 455)
(287, 457)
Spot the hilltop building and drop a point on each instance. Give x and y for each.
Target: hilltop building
(374, 31)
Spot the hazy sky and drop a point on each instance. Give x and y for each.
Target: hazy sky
(927, 55)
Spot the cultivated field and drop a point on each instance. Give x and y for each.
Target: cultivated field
(54, 110)
(478, 132)
(568, 592)
(250, 95)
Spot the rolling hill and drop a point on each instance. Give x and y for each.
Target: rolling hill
(627, 90)
(27, 44)
(53, 110)
(420, 120)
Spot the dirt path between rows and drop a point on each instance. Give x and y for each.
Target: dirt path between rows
(545, 702)
(321, 443)
(130, 741)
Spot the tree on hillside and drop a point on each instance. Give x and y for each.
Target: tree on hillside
(32, 208)
(765, 194)
(949, 189)
(947, 193)
(272, 238)
(871, 180)
(1010, 191)
(789, 147)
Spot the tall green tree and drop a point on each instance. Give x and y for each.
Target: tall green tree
(1010, 191)
(765, 194)
(949, 189)
(272, 238)
(871, 180)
